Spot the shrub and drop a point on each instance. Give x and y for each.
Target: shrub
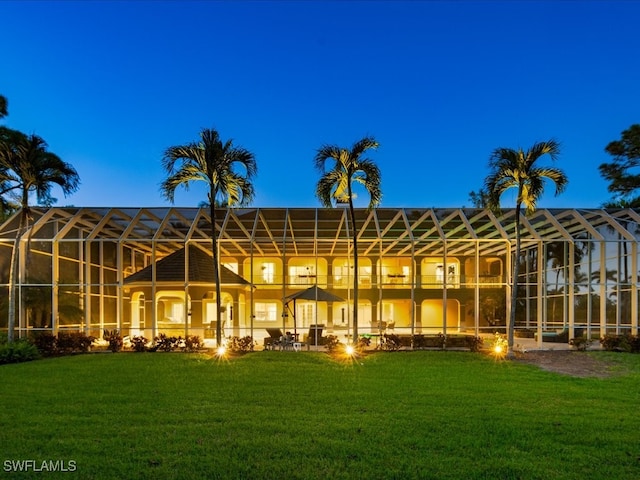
(474, 343)
(240, 345)
(139, 344)
(331, 343)
(21, 350)
(580, 343)
(621, 343)
(46, 343)
(163, 343)
(634, 343)
(193, 343)
(363, 343)
(114, 338)
(391, 342)
(74, 342)
(420, 341)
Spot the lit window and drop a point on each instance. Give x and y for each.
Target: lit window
(268, 272)
(266, 312)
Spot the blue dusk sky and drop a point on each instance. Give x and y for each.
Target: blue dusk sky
(111, 85)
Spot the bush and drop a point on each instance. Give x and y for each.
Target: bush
(240, 345)
(163, 343)
(474, 343)
(46, 343)
(363, 343)
(331, 343)
(139, 344)
(580, 343)
(115, 340)
(391, 342)
(21, 350)
(427, 341)
(621, 343)
(193, 343)
(73, 342)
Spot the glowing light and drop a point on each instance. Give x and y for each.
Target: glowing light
(221, 351)
(500, 346)
(350, 350)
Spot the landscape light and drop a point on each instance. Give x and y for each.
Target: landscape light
(350, 350)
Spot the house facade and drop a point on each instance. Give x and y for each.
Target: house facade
(146, 271)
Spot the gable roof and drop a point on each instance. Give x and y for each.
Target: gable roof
(171, 269)
(314, 293)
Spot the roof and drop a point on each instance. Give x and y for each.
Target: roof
(171, 269)
(279, 232)
(314, 293)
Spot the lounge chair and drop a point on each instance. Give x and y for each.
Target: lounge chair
(274, 339)
(314, 337)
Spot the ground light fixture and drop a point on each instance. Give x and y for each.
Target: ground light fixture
(221, 351)
(500, 346)
(350, 350)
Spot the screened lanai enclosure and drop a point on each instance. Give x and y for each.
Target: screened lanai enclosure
(146, 271)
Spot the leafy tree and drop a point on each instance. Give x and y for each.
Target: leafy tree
(336, 185)
(626, 156)
(27, 167)
(518, 169)
(3, 106)
(214, 162)
(479, 199)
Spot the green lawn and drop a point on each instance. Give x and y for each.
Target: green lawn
(403, 415)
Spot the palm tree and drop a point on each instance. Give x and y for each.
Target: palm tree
(335, 185)
(511, 168)
(27, 167)
(212, 161)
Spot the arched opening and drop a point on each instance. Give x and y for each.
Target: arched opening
(137, 314)
(172, 312)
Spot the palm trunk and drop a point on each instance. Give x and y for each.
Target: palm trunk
(13, 274)
(216, 270)
(514, 288)
(352, 214)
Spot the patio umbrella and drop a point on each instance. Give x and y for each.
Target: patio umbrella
(313, 293)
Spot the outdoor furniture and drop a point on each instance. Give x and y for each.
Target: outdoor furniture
(274, 339)
(314, 337)
(560, 336)
(287, 341)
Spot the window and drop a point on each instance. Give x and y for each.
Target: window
(436, 273)
(302, 275)
(266, 311)
(268, 272)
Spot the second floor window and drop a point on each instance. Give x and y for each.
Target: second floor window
(268, 272)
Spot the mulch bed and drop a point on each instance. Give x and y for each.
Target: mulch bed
(567, 362)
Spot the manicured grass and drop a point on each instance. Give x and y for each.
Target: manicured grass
(274, 415)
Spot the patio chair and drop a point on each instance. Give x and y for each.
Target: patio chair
(287, 341)
(314, 337)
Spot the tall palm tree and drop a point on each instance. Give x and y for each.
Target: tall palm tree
(518, 169)
(27, 167)
(214, 162)
(336, 185)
